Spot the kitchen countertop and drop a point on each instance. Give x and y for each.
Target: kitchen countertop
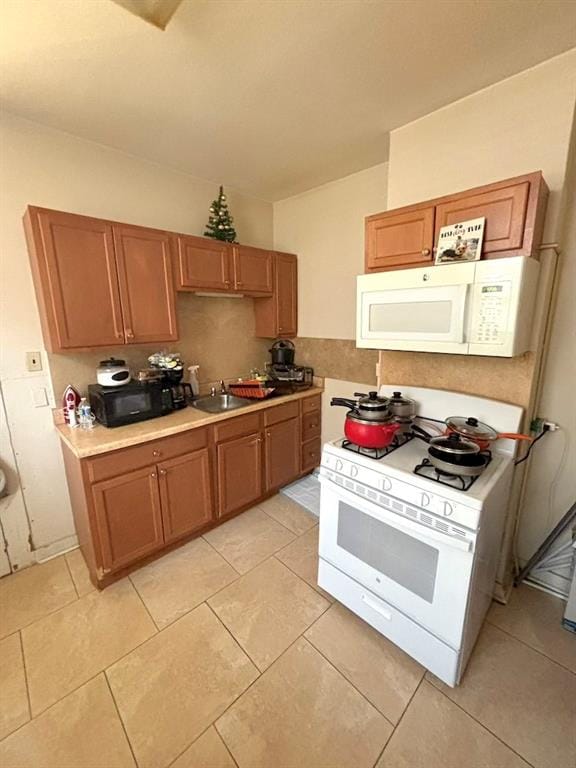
(84, 443)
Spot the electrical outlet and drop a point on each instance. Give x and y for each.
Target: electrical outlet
(33, 361)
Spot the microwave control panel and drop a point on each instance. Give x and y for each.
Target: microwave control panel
(492, 304)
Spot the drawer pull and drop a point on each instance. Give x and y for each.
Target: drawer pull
(376, 607)
(156, 453)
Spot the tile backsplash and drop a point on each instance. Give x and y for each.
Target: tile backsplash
(216, 333)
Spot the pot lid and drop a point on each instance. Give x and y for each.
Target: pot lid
(282, 344)
(112, 362)
(455, 444)
(398, 399)
(372, 401)
(471, 427)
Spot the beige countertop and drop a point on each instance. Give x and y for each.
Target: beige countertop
(84, 443)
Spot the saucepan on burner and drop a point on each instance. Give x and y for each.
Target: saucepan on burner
(369, 422)
(453, 454)
(481, 434)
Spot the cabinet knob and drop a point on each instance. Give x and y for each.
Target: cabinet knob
(267, 434)
(162, 471)
(227, 282)
(119, 335)
(129, 334)
(426, 252)
(239, 284)
(152, 474)
(156, 453)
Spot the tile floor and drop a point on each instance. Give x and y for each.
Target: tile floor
(226, 653)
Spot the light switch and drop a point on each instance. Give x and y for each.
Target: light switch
(39, 397)
(33, 361)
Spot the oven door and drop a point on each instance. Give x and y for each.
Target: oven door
(424, 573)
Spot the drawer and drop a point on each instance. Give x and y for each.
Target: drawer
(242, 425)
(435, 655)
(281, 413)
(311, 425)
(311, 452)
(127, 459)
(310, 404)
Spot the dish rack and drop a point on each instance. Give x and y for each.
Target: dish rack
(251, 388)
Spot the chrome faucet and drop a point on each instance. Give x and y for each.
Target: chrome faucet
(222, 387)
(212, 391)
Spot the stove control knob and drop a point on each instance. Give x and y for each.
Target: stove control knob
(386, 483)
(339, 465)
(447, 509)
(353, 471)
(425, 500)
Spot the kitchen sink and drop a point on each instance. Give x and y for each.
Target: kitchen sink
(220, 403)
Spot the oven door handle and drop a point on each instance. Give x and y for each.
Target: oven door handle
(395, 520)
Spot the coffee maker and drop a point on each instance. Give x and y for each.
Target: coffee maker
(282, 374)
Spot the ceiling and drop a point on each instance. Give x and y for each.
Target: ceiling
(270, 96)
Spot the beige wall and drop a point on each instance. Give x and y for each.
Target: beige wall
(519, 125)
(325, 227)
(53, 169)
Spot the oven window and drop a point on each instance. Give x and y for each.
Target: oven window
(411, 317)
(397, 555)
(127, 404)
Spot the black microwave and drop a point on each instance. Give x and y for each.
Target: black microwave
(132, 402)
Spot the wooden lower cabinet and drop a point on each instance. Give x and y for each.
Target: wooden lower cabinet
(282, 453)
(132, 503)
(128, 517)
(239, 473)
(186, 494)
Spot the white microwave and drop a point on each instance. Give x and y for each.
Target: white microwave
(476, 308)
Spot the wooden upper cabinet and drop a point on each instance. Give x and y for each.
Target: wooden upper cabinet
(287, 294)
(75, 278)
(277, 316)
(239, 473)
(401, 238)
(203, 264)
(282, 453)
(514, 212)
(252, 269)
(144, 259)
(128, 517)
(186, 494)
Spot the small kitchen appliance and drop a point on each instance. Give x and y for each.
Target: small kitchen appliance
(112, 373)
(129, 403)
(282, 374)
(475, 308)
(415, 553)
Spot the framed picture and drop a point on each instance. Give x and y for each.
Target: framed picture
(460, 242)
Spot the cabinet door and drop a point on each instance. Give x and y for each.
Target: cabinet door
(144, 258)
(282, 453)
(203, 264)
(252, 270)
(504, 208)
(186, 494)
(403, 239)
(239, 473)
(286, 294)
(128, 518)
(76, 282)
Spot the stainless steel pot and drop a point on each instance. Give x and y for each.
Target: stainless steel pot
(401, 406)
(368, 407)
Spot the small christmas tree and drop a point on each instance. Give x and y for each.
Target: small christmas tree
(220, 225)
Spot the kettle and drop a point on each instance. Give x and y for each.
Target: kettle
(282, 352)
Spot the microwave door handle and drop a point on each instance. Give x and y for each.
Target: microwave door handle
(461, 313)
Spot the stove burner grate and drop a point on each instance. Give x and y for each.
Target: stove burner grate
(378, 453)
(452, 480)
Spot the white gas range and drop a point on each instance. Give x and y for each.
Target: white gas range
(414, 557)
